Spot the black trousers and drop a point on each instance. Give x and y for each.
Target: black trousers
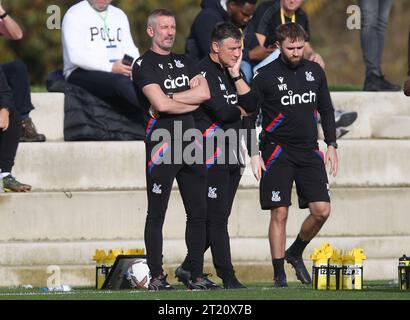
(18, 80)
(192, 186)
(112, 88)
(222, 184)
(9, 141)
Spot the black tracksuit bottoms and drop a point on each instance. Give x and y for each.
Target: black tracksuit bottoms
(9, 141)
(222, 184)
(191, 179)
(111, 87)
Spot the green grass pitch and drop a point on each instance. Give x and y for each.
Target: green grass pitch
(372, 290)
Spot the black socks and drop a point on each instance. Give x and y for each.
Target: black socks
(278, 267)
(297, 247)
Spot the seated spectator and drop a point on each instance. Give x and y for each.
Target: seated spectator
(374, 20)
(274, 14)
(253, 52)
(96, 37)
(18, 80)
(214, 11)
(288, 11)
(10, 126)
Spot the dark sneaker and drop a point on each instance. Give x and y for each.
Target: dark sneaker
(183, 276)
(340, 132)
(280, 282)
(233, 283)
(10, 184)
(406, 88)
(203, 283)
(29, 132)
(160, 283)
(301, 272)
(345, 118)
(212, 285)
(379, 83)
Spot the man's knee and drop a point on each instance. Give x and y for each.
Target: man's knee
(279, 215)
(320, 211)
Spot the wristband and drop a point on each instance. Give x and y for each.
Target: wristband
(237, 78)
(333, 144)
(5, 14)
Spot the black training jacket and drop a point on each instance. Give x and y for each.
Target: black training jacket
(221, 110)
(289, 98)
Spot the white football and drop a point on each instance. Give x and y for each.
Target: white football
(138, 274)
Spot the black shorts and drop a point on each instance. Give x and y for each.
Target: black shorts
(283, 167)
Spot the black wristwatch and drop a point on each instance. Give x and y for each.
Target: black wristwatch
(237, 78)
(333, 144)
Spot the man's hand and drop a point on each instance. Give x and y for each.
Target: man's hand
(120, 68)
(257, 165)
(331, 160)
(235, 71)
(243, 112)
(194, 83)
(2, 11)
(4, 119)
(315, 57)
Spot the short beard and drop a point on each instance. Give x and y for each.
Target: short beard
(96, 9)
(290, 62)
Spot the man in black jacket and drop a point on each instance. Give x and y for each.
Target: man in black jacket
(291, 90)
(10, 127)
(212, 12)
(171, 87)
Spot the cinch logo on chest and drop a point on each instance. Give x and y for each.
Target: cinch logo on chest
(292, 99)
(178, 82)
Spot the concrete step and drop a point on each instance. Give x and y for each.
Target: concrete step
(370, 106)
(31, 263)
(247, 272)
(60, 166)
(49, 113)
(243, 249)
(113, 215)
(395, 127)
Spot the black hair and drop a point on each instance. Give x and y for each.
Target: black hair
(225, 30)
(159, 13)
(293, 31)
(242, 2)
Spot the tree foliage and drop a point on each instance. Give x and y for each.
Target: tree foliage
(340, 47)
(41, 48)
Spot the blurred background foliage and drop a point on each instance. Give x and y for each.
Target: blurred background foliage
(340, 47)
